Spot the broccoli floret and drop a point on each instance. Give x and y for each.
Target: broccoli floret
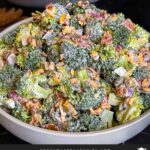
(21, 113)
(140, 73)
(107, 52)
(85, 122)
(121, 36)
(74, 22)
(63, 2)
(146, 101)
(94, 30)
(8, 76)
(33, 60)
(89, 98)
(139, 38)
(114, 24)
(54, 53)
(75, 57)
(131, 112)
(11, 37)
(29, 86)
(107, 71)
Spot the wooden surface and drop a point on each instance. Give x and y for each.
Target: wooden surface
(138, 11)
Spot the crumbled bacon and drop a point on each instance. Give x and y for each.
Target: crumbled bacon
(128, 24)
(106, 39)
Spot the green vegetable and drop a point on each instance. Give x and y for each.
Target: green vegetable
(131, 112)
(107, 68)
(33, 60)
(113, 99)
(114, 24)
(121, 36)
(29, 86)
(146, 101)
(75, 57)
(94, 30)
(140, 73)
(8, 76)
(10, 38)
(22, 114)
(86, 122)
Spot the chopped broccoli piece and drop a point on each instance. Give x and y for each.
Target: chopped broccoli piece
(74, 22)
(114, 24)
(11, 37)
(86, 122)
(8, 76)
(24, 32)
(89, 98)
(140, 73)
(107, 71)
(54, 53)
(121, 36)
(139, 38)
(29, 86)
(21, 113)
(33, 60)
(107, 52)
(146, 101)
(75, 57)
(20, 60)
(131, 111)
(94, 30)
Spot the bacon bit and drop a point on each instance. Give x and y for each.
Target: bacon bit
(107, 38)
(39, 71)
(128, 24)
(82, 41)
(33, 107)
(50, 9)
(74, 80)
(68, 30)
(114, 17)
(146, 89)
(51, 66)
(1, 63)
(60, 103)
(120, 91)
(36, 119)
(96, 111)
(63, 114)
(51, 127)
(145, 83)
(94, 84)
(94, 55)
(81, 19)
(64, 19)
(67, 105)
(104, 103)
(83, 4)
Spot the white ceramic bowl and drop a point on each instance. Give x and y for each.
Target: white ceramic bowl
(38, 3)
(35, 135)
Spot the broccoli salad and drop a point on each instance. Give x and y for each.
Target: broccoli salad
(75, 68)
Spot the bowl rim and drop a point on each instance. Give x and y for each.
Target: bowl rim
(62, 133)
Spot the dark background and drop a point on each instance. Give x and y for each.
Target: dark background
(138, 11)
